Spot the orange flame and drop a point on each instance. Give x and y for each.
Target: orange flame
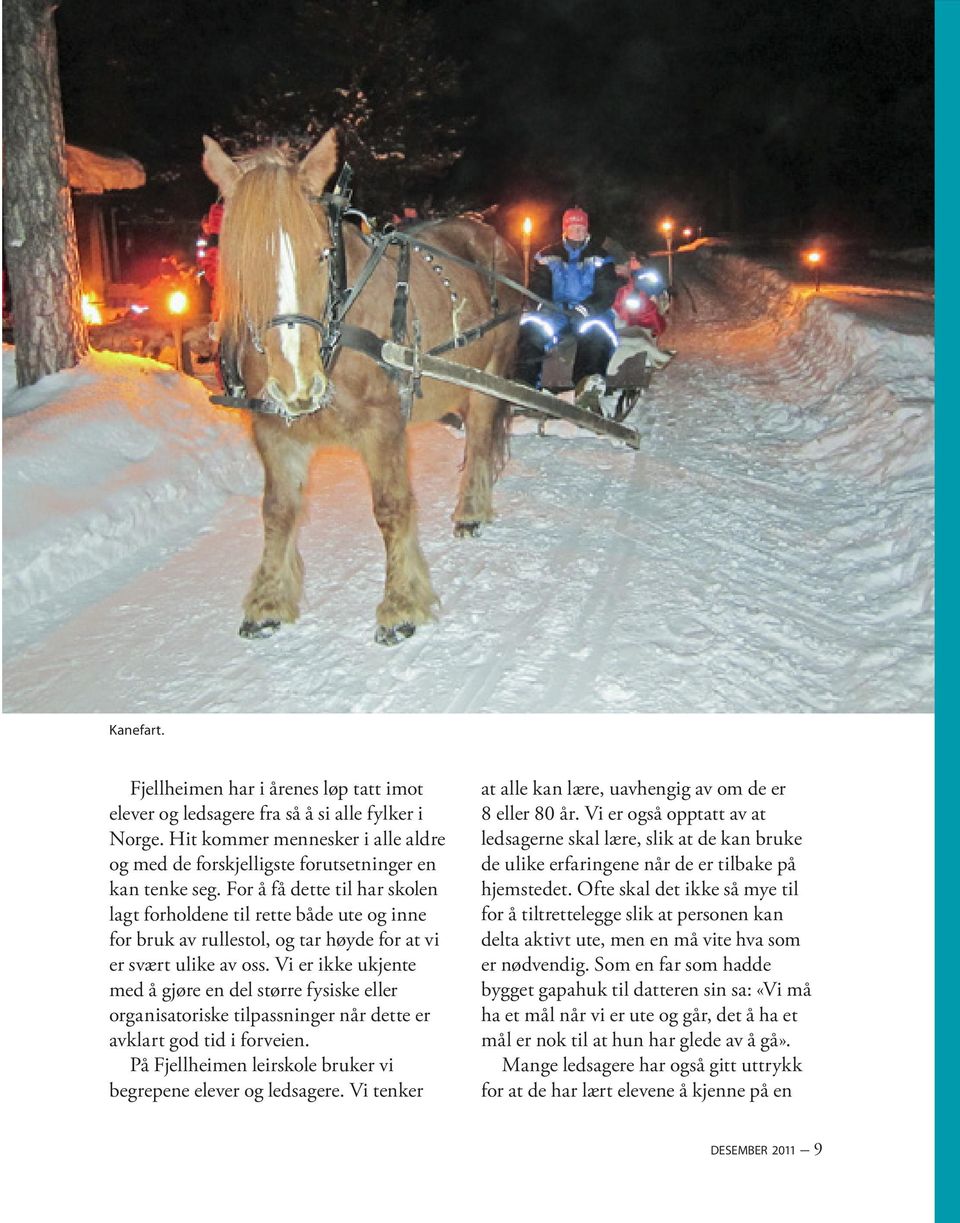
(91, 312)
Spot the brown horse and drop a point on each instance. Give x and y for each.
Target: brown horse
(275, 260)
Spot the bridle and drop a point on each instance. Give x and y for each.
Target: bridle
(336, 203)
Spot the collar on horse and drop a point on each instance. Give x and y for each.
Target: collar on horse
(332, 329)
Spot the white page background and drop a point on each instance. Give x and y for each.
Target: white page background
(859, 788)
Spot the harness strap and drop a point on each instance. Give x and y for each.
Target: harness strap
(418, 244)
(365, 341)
(336, 204)
(266, 407)
(351, 295)
(291, 320)
(463, 338)
(398, 328)
(398, 319)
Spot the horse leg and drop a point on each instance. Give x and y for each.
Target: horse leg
(274, 595)
(486, 421)
(408, 596)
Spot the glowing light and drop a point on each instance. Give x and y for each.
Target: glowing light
(177, 302)
(814, 257)
(667, 226)
(527, 226)
(138, 309)
(91, 313)
(633, 303)
(688, 232)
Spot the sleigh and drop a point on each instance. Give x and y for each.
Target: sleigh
(624, 386)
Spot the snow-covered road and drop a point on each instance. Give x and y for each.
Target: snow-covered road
(769, 548)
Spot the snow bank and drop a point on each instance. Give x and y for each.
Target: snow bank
(104, 462)
(867, 392)
(752, 290)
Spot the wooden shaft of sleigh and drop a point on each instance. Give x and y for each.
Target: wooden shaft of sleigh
(404, 358)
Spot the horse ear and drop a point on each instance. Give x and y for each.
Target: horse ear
(220, 168)
(318, 166)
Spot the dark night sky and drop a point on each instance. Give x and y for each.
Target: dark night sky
(817, 113)
(741, 114)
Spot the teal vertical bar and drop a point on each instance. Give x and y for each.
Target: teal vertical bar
(947, 197)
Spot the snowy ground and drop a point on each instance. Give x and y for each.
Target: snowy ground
(769, 548)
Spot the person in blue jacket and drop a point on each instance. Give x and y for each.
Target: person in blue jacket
(580, 281)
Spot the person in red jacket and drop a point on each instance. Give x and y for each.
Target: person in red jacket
(640, 313)
(210, 227)
(635, 306)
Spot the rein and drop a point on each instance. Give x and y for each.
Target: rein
(489, 273)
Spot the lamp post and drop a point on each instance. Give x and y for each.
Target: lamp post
(527, 231)
(667, 227)
(177, 304)
(815, 260)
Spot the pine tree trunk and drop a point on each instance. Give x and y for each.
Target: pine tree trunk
(39, 236)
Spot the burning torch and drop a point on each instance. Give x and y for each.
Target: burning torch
(527, 231)
(177, 305)
(667, 228)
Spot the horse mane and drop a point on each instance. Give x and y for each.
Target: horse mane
(267, 199)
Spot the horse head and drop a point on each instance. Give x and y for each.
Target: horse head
(273, 264)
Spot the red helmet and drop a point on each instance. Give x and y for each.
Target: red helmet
(575, 216)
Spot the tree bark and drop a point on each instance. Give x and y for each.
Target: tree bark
(39, 235)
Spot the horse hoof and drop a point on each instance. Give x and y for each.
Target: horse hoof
(259, 628)
(464, 530)
(393, 634)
